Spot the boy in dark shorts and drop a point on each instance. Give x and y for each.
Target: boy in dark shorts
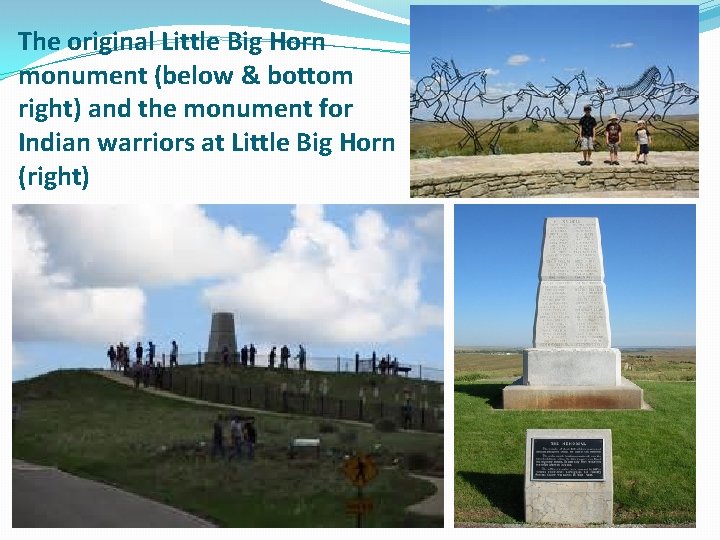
(613, 138)
(587, 135)
(644, 140)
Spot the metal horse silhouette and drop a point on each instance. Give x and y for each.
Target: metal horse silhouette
(445, 95)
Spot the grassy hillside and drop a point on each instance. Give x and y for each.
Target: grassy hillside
(95, 428)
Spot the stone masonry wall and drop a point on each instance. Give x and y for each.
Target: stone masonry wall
(546, 182)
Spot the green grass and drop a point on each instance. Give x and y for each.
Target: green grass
(653, 453)
(441, 140)
(664, 364)
(98, 429)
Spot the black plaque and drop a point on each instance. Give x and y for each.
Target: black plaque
(568, 460)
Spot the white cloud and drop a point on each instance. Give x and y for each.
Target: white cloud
(130, 245)
(542, 60)
(413, 85)
(325, 285)
(51, 306)
(624, 45)
(518, 59)
(570, 69)
(491, 71)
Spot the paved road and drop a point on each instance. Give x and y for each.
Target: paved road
(432, 505)
(46, 497)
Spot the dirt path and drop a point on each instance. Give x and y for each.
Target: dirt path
(433, 505)
(127, 381)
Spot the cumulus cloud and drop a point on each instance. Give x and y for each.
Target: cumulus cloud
(518, 59)
(491, 71)
(79, 273)
(624, 45)
(50, 305)
(326, 285)
(129, 245)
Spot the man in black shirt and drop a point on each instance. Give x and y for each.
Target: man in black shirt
(587, 135)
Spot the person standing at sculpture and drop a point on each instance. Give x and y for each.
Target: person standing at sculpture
(613, 138)
(139, 352)
(302, 357)
(226, 356)
(284, 356)
(244, 355)
(587, 125)
(151, 353)
(644, 140)
(236, 434)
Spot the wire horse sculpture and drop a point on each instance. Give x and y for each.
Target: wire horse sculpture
(446, 94)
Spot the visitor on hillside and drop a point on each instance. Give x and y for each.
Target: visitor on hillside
(236, 435)
(644, 140)
(613, 138)
(137, 373)
(284, 356)
(113, 357)
(217, 447)
(253, 352)
(139, 352)
(174, 354)
(271, 357)
(151, 353)
(407, 414)
(302, 358)
(250, 438)
(146, 374)
(244, 355)
(587, 125)
(120, 353)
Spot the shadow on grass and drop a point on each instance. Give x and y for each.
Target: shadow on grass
(503, 491)
(491, 393)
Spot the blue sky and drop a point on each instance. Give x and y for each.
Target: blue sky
(324, 276)
(534, 43)
(649, 257)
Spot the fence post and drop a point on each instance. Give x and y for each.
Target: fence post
(338, 364)
(360, 410)
(199, 357)
(422, 418)
(201, 388)
(266, 397)
(420, 371)
(185, 392)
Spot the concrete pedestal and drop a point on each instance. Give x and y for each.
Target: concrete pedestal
(571, 367)
(626, 395)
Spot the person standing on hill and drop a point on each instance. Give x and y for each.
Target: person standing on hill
(271, 357)
(284, 356)
(113, 357)
(587, 125)
(139, 352)
(174, 354)
(253, 352)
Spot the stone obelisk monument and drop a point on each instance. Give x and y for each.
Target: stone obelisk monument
(222, 334)
(571, 364)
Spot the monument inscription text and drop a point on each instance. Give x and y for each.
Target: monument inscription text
(567, 460)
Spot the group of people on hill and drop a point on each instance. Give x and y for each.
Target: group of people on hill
(119, 355)
(150, 371)
(248, 355)
(242, 435)
(613, 138)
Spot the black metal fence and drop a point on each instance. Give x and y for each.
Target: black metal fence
(273, 398)
(337, 364)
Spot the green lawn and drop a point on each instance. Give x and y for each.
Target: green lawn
(98, 429)
(653, 453)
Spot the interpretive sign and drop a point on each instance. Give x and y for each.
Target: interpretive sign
(567, 460)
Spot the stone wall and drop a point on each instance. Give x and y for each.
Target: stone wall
(546, 182)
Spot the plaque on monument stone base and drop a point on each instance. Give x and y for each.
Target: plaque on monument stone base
(568, 476)
(571, 364)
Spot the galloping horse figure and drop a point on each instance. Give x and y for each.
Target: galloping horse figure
(447, 93)
(650, 98)
(555, 105)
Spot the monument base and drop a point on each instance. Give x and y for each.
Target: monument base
(626, 395)
(572, 366)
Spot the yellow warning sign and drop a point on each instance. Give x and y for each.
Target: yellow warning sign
(360, 470)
